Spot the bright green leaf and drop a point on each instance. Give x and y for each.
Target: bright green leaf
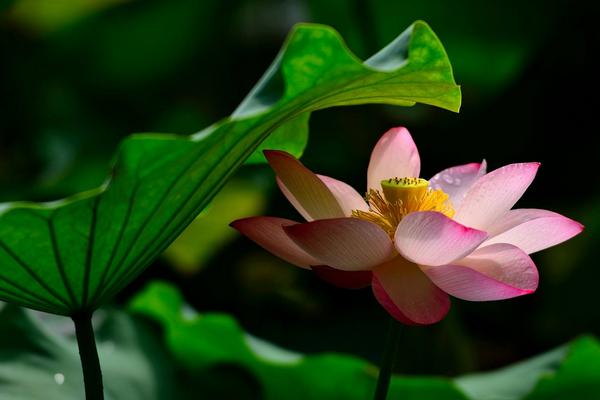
(238, 199)
(76, 254)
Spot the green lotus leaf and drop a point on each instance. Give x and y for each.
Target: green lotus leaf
(73, 255)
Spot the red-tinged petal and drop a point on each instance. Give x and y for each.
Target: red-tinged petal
(394, 155)
(495, 272)
(346, 196)
(492, 195)
(307, 193)
(348, 244)
(533, 230)
(344, 279)
(268, 233)
(431, 238)
(407, 294)
(455, 181)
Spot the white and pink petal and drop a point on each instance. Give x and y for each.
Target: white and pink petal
(493, 194)
(495, 272)
(456, 181)
(268, 233)
(532, 229)
(407, 294)
(394, 155)
(348, 244)
(431, 238)
(348, 198)
(303, 188)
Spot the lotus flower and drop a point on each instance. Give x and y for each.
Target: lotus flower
(414, 241)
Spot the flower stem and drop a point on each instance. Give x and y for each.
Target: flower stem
(92, 374)
(389, 357)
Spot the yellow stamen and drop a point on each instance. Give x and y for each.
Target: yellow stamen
(400, 197)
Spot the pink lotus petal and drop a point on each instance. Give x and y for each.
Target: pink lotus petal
(431, 238)
(268, 233)
(349, 244)
(533, 230)
(394, 155)
(455, 181)
(495, 272)
(492, 195)
(307, 193)
(346, 196)
(407, 294)
(344, 279)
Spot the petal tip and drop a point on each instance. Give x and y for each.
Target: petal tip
(575, 226)
(237, 223)
(396, 132)
(533, 164)
(400, 130)
(289, 229)
(270, 154)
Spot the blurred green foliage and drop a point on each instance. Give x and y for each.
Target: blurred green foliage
(164, 349)
(216, 342)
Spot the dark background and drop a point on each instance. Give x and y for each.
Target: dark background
(76, 77)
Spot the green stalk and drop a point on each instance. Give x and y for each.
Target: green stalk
(389, 357)
(90, 364)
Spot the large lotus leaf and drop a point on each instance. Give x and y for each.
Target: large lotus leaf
(239, 198)
(76, 254)
(39, 359)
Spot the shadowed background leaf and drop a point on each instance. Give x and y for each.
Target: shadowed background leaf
(39, 358)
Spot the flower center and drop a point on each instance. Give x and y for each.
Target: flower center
(400, 197)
